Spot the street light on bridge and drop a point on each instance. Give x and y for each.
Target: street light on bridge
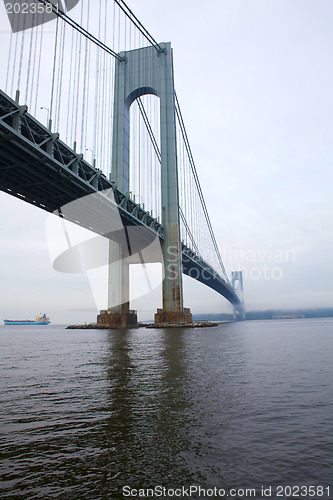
(49, 122)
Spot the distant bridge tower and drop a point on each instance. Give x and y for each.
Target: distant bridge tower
(147, 71)
(237, 283)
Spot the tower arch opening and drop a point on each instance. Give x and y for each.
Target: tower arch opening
(145, 150)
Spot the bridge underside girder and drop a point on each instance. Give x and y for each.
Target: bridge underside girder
(200, 271)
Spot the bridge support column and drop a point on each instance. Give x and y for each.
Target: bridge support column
(118, 315)
(172, 288)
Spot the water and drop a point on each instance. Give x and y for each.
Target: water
(243, 405)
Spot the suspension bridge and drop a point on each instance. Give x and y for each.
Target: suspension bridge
(113, 155)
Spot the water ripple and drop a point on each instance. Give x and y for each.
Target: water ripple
(245, 404)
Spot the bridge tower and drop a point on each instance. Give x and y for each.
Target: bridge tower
(147, 71)
(237, 283)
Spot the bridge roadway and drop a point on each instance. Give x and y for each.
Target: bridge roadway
(38, 168)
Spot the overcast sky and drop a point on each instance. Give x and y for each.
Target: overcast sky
(254, 79)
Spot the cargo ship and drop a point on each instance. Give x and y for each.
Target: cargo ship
(39, 320)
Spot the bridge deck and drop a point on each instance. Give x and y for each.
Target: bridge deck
(37, 167)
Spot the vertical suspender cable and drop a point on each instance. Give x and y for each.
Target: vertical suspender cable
(74, 68)
(156, 163)
(77, 97)
(110, 138)
(97, 89)
(62, 69)
(84, 96)
(9, 57)
(15, 58)
(147, 167)
(71, 65)
(39, 61)
(60, 75)
(34, 64)
(139, 156)
(118, 31)
(100, 90)
(106, 127)
(110, 113)
(76, 64)
(124, 38)
(87, 91)
(103, 101)
(29, 64)
(21, 56)
(54, 70)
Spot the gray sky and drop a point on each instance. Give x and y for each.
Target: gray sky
(254, 79)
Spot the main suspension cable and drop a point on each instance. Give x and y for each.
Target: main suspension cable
(195, 175)
(149, 129)
(125, 8)
(60, 13)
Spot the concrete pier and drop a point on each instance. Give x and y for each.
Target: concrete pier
(118, 320)
(173, 317)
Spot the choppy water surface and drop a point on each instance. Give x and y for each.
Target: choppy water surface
(243, 405)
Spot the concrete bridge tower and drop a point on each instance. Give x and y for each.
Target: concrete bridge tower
(237, 283)
(147, 71)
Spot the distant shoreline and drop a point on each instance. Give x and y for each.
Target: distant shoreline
(273, 314)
